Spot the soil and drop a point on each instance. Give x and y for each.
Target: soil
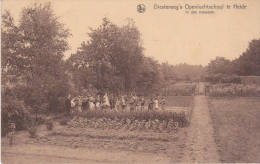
(94, 146)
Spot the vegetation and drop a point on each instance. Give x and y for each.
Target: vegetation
(36, 79)
(49, 125)
(112, 60)
(32, 65)
(156, 121)
(221, 90)
(247, 64)
(32, 131)
(236, 123)
(182, 89)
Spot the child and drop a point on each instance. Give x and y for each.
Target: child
(156, 104)
(163, 102)
(138, 104)
(132, 104)
(105, 104)
(142, 103)
(150, 105)
(123, 103)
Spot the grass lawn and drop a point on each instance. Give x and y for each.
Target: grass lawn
(236, 123)
(179, 101)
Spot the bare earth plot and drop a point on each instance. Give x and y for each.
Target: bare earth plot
(95, 146)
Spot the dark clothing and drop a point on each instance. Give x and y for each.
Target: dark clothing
(84, 105)
(123, 107)
(132, 108)
(150, 106)
(67, 105)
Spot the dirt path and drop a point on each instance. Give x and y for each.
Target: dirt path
(200, 145)
(41, 154)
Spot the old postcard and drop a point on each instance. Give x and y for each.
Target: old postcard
(137, 81)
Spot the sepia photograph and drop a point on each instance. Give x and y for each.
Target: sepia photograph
(130, 81)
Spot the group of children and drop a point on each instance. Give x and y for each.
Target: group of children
(140, 103)
(111, 102)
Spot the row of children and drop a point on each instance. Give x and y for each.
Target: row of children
(112, 102)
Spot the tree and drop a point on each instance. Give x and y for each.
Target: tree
(12, 43)
(219, 65)
(249, 62)
(188, 72)
(150, 80)
(113, 54)
(33, 50)
(45, 41)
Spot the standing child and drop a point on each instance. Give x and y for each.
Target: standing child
(106, 103)
(138, 104)
(156, 103)
(150, 105)
(97, 102)
(142, 103)
(132, 104)
(163, 102)
(123, 102)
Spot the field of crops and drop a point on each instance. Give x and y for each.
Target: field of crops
(156, 121)
(221, 90)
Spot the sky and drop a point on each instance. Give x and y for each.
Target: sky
(168, 35)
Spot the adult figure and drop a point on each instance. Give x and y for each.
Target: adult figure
(11, 132)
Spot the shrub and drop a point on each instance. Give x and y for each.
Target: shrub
(222, 78)
(182, 89)
(49, 125)
(13, 110)
(220, 90)
(33, 131)
(182, 118)
(64, 122)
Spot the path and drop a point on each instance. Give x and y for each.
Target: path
(200, 145)
(41, 154)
